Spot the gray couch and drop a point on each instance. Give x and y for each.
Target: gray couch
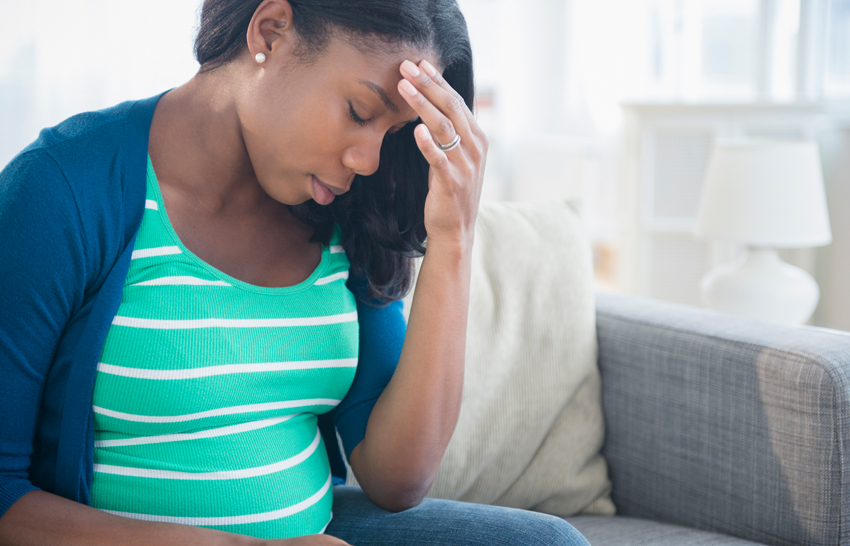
(719, 427)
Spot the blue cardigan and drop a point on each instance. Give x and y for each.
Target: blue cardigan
(70, 206)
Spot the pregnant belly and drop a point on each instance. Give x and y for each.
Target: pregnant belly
(267, 479)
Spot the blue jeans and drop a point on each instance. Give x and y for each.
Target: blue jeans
(359, 522)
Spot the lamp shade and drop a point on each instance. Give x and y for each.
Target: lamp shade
(765, 193)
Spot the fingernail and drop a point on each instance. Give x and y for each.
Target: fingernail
(408, 88)
(410, 68)
(430, 70)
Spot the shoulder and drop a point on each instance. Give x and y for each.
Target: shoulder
(93, 149)
(48, 165)
(81, 129)
(86, 168)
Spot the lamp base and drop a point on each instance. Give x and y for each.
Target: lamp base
(760, 286)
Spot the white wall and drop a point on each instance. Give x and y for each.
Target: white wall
(556, 71)
(62, 57)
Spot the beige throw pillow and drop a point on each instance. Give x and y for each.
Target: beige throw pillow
(531, 424)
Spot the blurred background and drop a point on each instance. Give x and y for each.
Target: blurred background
(610, 105)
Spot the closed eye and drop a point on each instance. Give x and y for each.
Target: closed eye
(357, 119)
(362, 122)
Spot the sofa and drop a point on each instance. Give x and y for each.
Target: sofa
(717, 430)
(720, 430)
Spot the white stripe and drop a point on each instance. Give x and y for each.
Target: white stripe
(349, 476)
(175, 281)
(157, 324)
(234, 520)
(211, 433)
(331, 278)
(151, 204)
(158, 251)
(240, 474)
(217, 412)
(322, 532)
(337, 249)
(193, 373)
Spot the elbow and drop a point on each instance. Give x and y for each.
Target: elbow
(391, 484)
(394, 496)
(397, 501)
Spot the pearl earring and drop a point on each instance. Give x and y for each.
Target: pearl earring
(260, 57)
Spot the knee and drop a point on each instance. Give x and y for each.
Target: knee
(554, 531)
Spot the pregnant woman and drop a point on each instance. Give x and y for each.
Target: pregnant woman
(200, 311)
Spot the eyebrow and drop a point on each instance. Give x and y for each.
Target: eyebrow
(384, 97)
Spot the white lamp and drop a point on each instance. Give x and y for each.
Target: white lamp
(767, 194)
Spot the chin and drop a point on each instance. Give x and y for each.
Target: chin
(283, 193)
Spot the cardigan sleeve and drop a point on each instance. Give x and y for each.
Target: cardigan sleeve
(42, 281)
(382, 331)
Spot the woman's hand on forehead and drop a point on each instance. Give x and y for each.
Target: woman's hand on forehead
(456, 173)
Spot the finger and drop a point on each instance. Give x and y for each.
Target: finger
(441, 127)
(433, 154)
(441, 95)
(458, 101)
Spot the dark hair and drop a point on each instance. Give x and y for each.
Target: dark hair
(382, 216)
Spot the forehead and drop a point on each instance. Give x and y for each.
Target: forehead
(373, 54)
(362, 69)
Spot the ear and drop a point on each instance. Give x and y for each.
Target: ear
(270, 27)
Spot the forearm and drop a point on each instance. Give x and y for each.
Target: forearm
(45, 519)
(413, 420)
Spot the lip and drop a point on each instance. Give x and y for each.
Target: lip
(333, 189)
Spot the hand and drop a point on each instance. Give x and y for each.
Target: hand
(455, 176)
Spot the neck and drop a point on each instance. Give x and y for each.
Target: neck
(196, 145)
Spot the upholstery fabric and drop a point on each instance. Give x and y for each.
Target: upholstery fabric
(725, 424)
(622, 531)
(530, 427)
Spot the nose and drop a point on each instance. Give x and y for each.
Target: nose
(364, 156)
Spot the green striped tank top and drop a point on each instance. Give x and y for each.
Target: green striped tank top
(208, 388)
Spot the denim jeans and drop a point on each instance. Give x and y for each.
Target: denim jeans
(359, 522)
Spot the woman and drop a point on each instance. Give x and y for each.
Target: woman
(178, 307)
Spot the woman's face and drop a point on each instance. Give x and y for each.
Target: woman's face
(305, 125)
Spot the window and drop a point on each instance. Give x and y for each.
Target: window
(837, 65)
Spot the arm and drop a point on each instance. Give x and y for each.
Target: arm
(413, 420)
(382, 330)
(42, 273)
(40, 518)
(725, 424)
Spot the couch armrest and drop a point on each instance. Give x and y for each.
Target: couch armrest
(725, 424)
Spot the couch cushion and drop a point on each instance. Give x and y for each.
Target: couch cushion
(531, 425)
(620, 531)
